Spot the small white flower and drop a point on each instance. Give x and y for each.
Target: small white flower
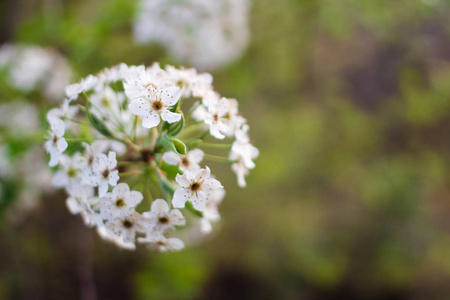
(120, 202)
(104, 172)
(86, 84)
(86, 162)
(162, 244)
(70, 176)
(242, 153)
(156, 105)
(162, 218)
(195, 186)
(106, 234)
(80, 201)
(211, 211)
(188, 162)
(66, 111)
(56, 144)
(127, 226)
(219, 124)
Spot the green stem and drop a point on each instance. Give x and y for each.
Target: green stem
(214, 145)
(216, 158)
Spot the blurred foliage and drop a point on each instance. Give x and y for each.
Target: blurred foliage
(349, 103)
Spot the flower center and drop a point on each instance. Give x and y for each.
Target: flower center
(216, 117)
(185, 161)
(163, 220)
(127, 223)
(105, 174)
(72, 172)
(105, 102)
(55, 140)
(195, 186)
(120, 202)
(157, 105)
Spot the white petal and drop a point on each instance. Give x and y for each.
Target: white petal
(196, 155)
(61, 144)
(199, 200)
(171, 158)
(202, 174)
(113, 177)
(54, 157)
(170, 95)
(100, 163)
(134, 198)
(112, 161)
(183, 180)
(160, 207)
(102, 188)
(214, 131)
(170, 117)
(176, 218)
(212, 184)
(140, 107)
(121, 190)
(180, 197)
(151, 120)
(175, 244)
(205, 225)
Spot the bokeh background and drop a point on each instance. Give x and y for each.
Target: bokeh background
(349, 104)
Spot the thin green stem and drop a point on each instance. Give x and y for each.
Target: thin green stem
(216, 158)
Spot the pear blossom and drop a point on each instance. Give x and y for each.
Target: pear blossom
(219, 124)
(69, 176)
(195, 187)
(156, 105)
(104, 172)
(80, 201)
(105, 234)
(188, 162)
(56, 144)
(120, 202)
(242, 153)
(126, 226)
(162, 244)
(211, 211)
(86, 84)
(162, 218)
(66, 111)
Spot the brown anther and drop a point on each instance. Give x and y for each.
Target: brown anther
(127, 224)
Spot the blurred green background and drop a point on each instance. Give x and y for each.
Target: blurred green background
(349, 104)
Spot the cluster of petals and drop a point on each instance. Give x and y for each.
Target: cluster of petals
(125, 125)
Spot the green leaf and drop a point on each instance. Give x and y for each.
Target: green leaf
(177, 127)
(98, 124)
(172, 144)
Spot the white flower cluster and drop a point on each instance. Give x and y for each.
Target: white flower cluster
(206, 34)
(123, 140)
(34, 68)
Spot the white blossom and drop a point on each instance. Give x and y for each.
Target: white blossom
(120, 202)
(162, 244)
(104, 172)
(127, 226)
(188, 162)
(195, 187)
(56, 144)
(162, 218)
(86, 84)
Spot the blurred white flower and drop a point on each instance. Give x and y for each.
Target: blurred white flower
(207, 34)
